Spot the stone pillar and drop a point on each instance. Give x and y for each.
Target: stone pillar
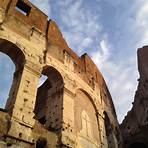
(68, 138)
(103, 136)
(99, 127)
(22, 120)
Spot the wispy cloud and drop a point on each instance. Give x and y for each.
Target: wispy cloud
(101, 56)
(44, 5)
(110, 31)
(119, 77)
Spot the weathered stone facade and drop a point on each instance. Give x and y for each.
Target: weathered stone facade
(135, 125)
(72, 108)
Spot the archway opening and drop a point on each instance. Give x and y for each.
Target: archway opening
(49, 100)
(138, 145)
(7, 69)
(41, 143)
(11, 65)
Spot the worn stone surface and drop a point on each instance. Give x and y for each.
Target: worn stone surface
(73, 107)
(135, 125)
(4, 124)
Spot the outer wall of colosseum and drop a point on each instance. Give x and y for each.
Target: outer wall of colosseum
(72, 108)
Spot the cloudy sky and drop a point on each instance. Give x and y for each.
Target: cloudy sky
(110, 31)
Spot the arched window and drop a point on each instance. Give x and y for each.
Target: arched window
(86, 125)
(10, 71)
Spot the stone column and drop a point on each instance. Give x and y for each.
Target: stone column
(68, 136)
(103, 136)
(99, 127)
(22, 120)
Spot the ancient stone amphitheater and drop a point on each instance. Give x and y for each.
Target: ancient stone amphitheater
(72, 108)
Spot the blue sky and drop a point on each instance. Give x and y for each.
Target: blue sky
(110, 31)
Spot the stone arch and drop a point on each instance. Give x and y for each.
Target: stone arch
(14, 52)
(49, 101)
(90, 98)
(111, 139)
(18, 58)
(86, 128)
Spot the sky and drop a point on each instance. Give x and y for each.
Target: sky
(110, 31)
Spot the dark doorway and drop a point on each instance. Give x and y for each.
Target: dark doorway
(138, 145)
(12, 61)
(49, 101)
(41, 143)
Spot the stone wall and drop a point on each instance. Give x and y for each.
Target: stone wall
(135, 125)
(70, 107)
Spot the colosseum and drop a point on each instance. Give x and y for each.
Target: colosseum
(72, 108)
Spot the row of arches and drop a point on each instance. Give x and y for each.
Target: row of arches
(49, 99)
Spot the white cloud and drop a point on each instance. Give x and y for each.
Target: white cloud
(86, 42)
(142, 15)
(80, 25)
(120, 77)
(101, 56)
(83, 29)
(142, 22)
(44, 5)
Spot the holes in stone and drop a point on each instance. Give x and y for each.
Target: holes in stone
(25, 100)
(20, 135)
(33, 140)
(9, 144)
(41, 143)
(56, 120)
(128, 127)
(23, 8)
(42, 120)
